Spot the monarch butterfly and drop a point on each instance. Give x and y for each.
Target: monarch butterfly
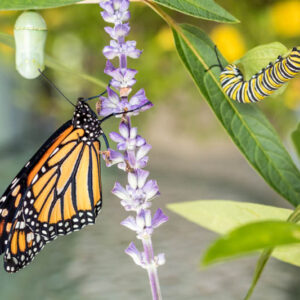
(57, 192)
(262, 84)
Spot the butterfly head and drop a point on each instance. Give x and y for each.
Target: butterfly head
(84, 117)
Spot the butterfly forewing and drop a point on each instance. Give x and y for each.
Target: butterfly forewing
(66, 194)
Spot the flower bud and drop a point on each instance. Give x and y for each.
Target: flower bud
(30, 36)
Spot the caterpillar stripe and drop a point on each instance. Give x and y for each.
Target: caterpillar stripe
(262, 84)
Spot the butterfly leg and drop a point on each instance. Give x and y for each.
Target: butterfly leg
(105, 140)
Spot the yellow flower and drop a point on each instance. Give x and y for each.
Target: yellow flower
(292, 95)
(229, 41)
(285, 18)
(165, 39)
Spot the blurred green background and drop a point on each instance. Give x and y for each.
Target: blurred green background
(192, 158)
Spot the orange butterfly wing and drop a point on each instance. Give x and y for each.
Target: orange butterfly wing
(64, 195)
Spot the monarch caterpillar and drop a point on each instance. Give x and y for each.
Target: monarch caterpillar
(262, 84)
(57, 192)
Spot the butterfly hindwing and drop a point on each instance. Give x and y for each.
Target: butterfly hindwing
(22, 246)
(9, 203)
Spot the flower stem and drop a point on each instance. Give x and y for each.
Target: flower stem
(151, 269)
(265, 255)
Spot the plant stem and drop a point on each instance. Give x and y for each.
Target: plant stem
(152, 269)
(264, 257)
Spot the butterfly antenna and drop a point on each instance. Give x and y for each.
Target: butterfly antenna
(97, 96)
(55, 87)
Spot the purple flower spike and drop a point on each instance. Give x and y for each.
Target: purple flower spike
(132, 154)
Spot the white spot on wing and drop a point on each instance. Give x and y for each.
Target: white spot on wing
(29, 238)
(55, 150)
(35, 178)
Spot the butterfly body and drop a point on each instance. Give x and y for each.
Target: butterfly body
(57, 192)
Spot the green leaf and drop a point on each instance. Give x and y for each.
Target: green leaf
(222, 216)
(33, 4)
(204, 9)
(53, 63)
(252, 237)
(245, 123)
(296, 139)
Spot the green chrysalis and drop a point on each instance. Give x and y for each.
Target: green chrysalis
(30, 36)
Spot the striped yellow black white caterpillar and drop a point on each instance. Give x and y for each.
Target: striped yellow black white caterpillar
(262, 84)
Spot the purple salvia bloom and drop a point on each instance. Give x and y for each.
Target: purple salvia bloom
(137, 194)
(160, 259)
(151, 189)
(143, 151)
(159, 218)
(119, 191)
(138, 178)
(140, 99)
(115, 12)
(144, 226)
(114, 104)
(116, 50)
(115, 157)
(130, 223)
(137, 162)
(135, 254)
(122, 78)
(140, 141)
(118, 31)
(128, 138)
(108, 6)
